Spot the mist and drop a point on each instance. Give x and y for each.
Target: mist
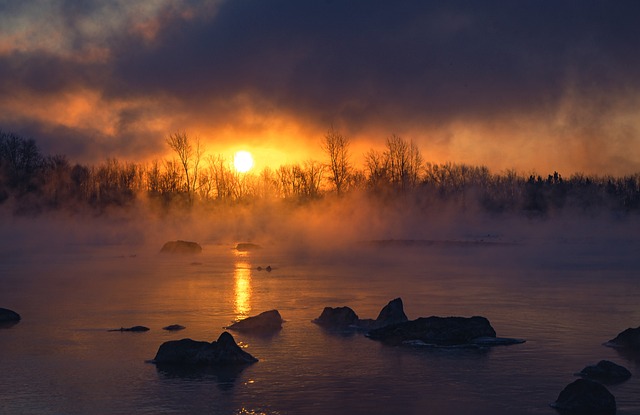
(332, 229)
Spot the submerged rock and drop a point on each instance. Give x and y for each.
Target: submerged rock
(495, 341)
(436, 331)
(181, 247)
(134, 328)
(247, 246)
(628, 339)
(585, 397)
(189, 352)
(266, 322)
(338, 318)
(606, 372)
(8, 316)
(174, 327)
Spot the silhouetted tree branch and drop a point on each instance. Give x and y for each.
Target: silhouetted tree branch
(336, 146)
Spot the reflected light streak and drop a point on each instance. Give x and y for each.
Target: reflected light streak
(242, 297)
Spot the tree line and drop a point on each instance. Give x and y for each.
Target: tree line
(31, 182)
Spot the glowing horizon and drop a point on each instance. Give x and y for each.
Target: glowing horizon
(112, 82)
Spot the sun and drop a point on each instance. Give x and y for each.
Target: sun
(243, 161)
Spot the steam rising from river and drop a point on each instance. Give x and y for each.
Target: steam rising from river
(326, 227)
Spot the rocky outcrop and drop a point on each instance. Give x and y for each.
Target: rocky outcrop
(264, 323)
(442, 332)
(344, 318)
(605, 372)
(8, 316)
(134, 328)
(392, 313)
(174, 327)
(338, 318)
(181, 247)
(394, 328)
(189, 352)
(585, 397)
(437, 331)
(629, 339)
(247, 246)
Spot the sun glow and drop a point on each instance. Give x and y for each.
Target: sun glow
(243, 161)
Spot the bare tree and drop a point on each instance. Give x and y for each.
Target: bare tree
(267, 184)
(312, 173)
(171, 178)
(199, 154)
(404, 162)
(377, 169)
(336, 146)
(300, 181)
(20, 159)
(189, 158)
(222, 177)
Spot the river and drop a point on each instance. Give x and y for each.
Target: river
(564, 294)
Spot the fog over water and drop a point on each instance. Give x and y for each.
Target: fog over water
(565, 284)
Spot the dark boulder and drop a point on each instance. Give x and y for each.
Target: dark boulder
(247, 246)
(134, 328)
(189, 352)
(338, 318)
(605, 372)
(342, 318)
(8, 316)
(436, 331)
(628, 339)
(392, 313)
(174, 327)
(181, 247)
(585, 397)
(266, 322)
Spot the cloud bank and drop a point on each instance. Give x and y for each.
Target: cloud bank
(528, 84)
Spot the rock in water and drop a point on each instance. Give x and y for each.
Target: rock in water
(267, 322)
(392, 313)
(605, 372)
(585, 397)
(628, 339)
(134, 328)
(181, 247)
(8, 316)
(174, 327)
(437, 331)
(338, 318)
(247, 246)
(222, 352)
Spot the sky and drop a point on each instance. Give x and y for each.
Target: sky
(535, 86)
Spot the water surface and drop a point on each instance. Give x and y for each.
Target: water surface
(564, 295)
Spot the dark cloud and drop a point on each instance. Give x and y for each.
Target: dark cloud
(352, 63)
(428, 58)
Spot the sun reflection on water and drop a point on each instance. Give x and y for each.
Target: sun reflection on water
(242, 289)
